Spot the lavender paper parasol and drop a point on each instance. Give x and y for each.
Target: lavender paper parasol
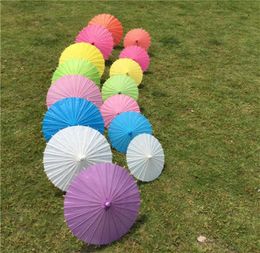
(101, 204)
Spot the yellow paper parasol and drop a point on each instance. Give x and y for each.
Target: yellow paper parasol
(84, 51)
(128, 67)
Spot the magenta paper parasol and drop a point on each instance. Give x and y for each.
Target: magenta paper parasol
(117, 104)
(98, 36)
(137, 54)
(101, 204)
(74, 86)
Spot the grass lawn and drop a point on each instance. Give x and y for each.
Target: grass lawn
(201, 95)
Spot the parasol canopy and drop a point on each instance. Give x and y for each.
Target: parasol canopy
(71, 112)
(119, 84)
(101, 204)
(71, 150)
(145, 157)
(77, 67)
(111, 23)
(117, 104)
(97, 36)
(128, 67)
(74, 86)
(137, 54)
(138, 37)
(124, 127)
(84, 51)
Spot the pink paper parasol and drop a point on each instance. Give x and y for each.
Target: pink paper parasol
(74, 86)
(98, 36)
(137, 54)
(117, 104)
(101, 204)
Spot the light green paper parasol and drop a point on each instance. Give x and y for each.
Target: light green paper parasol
(120, 84)
(77, 67)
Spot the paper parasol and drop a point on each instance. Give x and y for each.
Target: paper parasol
(84, 51)
(97, 36)
(117, 104)
(101, 204)
(145, 157)
(77, 67)
(71, 150)
(119, 84)
(71, 112)
(128, 67)
(74, 86)
(137, 54)
(111, 23)
(138, 37)
(124, 127)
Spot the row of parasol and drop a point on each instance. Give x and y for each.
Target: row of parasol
(102, 199)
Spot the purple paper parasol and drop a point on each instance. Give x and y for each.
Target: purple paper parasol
(101, 204)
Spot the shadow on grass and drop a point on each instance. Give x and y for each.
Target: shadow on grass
(91, 248)
(142, 109)
(108, 62)
(159, 94)
(137, 225)
(119, 47)
(139, 183)
(102, 81)
(170, 41)
(58, 193)
(141, 86)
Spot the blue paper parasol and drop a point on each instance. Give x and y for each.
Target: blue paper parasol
(125, 127)
(71, 112)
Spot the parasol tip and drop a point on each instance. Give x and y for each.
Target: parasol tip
(107, 204)
(81, 158)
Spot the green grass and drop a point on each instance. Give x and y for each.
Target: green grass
(201, 95)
